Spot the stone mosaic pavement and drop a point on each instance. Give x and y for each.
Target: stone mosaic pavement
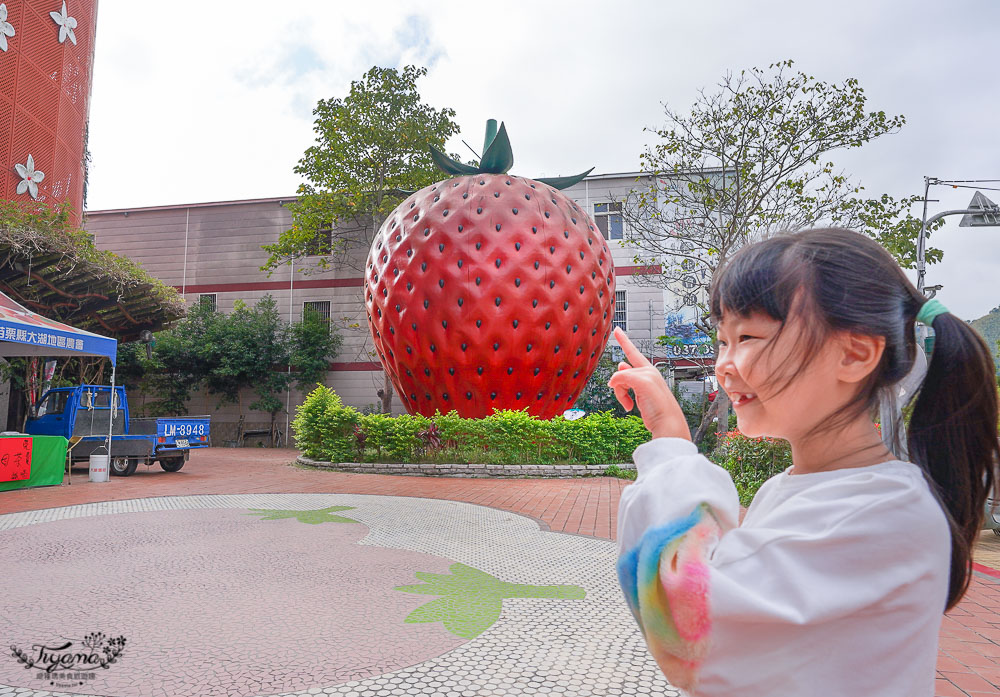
(520, 653)
(343, 594)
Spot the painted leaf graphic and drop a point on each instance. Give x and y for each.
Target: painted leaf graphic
(314, 517)
(471, 600)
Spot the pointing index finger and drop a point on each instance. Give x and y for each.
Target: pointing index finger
(633, 354)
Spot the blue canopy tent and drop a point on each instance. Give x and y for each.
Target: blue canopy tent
(26, 333)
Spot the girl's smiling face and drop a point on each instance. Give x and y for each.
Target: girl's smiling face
(756, 366)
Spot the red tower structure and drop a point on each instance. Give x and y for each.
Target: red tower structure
(46, 59)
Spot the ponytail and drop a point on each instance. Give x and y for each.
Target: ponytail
(851, 283)
(953, 437)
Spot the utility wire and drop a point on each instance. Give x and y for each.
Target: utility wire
(964, 186)
(964, 181)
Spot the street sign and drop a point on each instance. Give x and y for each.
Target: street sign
(988, 217)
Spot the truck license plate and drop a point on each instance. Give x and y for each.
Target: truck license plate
(183, 443)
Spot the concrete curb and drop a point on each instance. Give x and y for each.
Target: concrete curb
(461, 470)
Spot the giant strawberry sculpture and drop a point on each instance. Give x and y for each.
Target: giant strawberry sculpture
(489, 290)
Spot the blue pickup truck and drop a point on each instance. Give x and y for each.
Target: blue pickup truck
(85, 412)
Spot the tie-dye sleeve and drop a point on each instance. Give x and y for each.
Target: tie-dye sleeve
(669, 522)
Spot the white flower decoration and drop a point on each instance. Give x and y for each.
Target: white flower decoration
(30, 177)
(66, 24)
(6, 28)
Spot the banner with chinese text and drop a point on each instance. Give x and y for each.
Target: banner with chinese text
(15, 459)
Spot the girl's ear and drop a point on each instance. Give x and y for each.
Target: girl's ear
(859, 355)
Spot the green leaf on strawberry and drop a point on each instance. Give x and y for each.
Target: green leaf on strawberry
(498, 158)
(472, 599)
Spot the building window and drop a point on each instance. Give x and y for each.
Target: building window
(621, 311)
(608, 217)
(322, 243)
(209, 300)
(320, 307)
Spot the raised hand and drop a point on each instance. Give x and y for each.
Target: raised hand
(659, 410)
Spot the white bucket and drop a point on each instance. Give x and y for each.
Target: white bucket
(99, 468)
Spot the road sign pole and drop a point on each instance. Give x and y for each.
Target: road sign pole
(921, 265)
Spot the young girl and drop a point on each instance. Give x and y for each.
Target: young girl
(836, 580)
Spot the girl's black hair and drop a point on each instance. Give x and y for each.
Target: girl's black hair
(839, 280)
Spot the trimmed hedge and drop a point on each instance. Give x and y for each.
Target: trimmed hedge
(326, 429)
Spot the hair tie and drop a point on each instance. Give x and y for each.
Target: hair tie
(893, 397)
(929, 310)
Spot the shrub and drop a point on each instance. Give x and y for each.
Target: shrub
(338, 438)
(405, 443)
(307, 422)
(603, 438)
(376, 427)
(751, 461)
(326, 429)
(517, 438)
(616, 471)
(430, 439)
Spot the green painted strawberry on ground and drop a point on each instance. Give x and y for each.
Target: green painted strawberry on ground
(489, 290)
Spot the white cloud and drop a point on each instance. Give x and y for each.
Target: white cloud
(209, 101)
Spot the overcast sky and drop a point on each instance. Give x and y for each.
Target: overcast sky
(209, 101)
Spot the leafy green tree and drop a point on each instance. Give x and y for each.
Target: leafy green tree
(246, 349)
(314, 344)
(135, 372)
(249, 348)
(370, 150)
(179, 363)
(750, 159)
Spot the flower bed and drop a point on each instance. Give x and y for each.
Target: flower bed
(328, 430)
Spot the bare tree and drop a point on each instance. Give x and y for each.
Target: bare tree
(750, 160)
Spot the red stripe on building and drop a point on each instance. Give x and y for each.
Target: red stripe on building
(342, 282)
(687, 363)
(271, 285)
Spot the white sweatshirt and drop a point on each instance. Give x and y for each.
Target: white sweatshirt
(834, 584)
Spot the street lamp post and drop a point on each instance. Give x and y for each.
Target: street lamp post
(981, 212)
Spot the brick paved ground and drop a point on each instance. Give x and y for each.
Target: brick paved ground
(969, 662)
(584, 506)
